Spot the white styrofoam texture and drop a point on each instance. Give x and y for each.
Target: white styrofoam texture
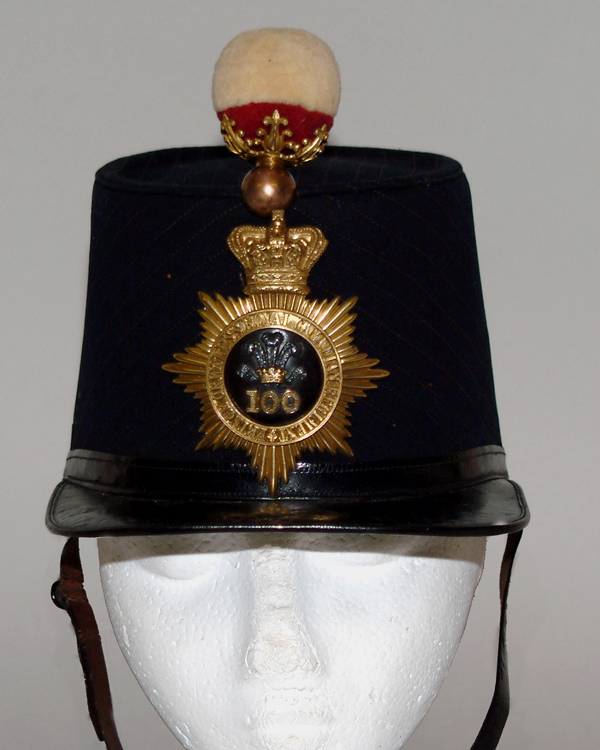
(290, 641)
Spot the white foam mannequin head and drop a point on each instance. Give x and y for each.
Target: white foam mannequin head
(290, 641)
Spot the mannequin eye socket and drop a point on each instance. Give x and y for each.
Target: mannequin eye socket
(355, 559)
(360, 550)
(180, 567)
(186, 557)
(196, 556)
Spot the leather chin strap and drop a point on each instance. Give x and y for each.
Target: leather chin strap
(493, 724)
(68, 594)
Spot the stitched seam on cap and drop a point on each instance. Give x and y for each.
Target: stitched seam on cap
(304, 470)
(115, 182)
(237, 495)
(125, 186)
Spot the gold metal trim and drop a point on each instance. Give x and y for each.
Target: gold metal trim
(274, 144)
(223, 405)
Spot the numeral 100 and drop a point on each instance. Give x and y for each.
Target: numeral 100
(270, 402)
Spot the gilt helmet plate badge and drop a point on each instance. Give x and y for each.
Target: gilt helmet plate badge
(275, 371)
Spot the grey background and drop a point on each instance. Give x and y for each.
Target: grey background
(511, 90)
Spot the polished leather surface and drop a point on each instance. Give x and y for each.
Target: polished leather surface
(350, 480)
(468, 493)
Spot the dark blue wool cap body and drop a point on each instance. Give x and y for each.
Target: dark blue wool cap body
(401, 239)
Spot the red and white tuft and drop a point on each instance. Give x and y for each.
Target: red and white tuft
(288, 70)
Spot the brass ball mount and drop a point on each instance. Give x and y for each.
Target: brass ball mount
(268, 187)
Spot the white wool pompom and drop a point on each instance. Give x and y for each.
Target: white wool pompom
(284, 66)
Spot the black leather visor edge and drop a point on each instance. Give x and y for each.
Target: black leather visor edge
(468, 494)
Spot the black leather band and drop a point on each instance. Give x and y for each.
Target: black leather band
(310, 480)
(467, 493)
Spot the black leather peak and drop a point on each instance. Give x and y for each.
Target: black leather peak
(464, 494)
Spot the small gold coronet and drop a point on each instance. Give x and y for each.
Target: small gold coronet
(273, 145)
(271, 374)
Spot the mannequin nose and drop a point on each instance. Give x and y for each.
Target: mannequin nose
(280, 642)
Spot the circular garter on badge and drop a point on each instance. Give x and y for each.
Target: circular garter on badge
(274, 378)
(276, 373)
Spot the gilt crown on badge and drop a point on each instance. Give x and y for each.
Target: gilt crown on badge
(276, 258)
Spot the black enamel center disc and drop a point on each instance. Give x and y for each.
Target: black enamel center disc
(274, 376)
